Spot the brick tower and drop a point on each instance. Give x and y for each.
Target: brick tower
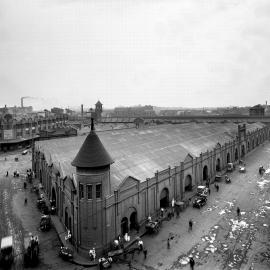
(93, 183)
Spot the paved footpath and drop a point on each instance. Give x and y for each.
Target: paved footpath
(219, 240)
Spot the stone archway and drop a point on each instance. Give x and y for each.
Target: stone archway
(164, 198)
(236, 154)
(40, 176)
(133, 221)
(124, 225)
(205, 173)
(54, 200)
(218, 167)
(228, 158)
(188, 183)
(243, 151)
(66, 217)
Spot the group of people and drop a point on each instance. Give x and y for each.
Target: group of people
(92, 254)
(33, 241)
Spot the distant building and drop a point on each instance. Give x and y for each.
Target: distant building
(16, 110)
(19, 131)
(257, 110)
(137, 111)
(57, 111)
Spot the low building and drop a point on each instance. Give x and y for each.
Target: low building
(107, 183)
(20, 131)
(257, 110)
(136, 111)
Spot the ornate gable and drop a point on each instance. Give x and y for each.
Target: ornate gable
(129, 181)
(218, 145)
(188, 158)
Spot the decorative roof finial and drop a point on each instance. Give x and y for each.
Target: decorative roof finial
(92, 119)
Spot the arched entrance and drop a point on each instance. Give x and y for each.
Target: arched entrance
(188, 183)
(218, 167)
(133, 221)
(236, 155)
(66, 217)
(53, 197)
(164, 198)
(205, 173)
(124, 225)
(243, 152)
(228, 158)
(40, 176)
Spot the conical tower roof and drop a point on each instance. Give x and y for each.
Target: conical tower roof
(92, 153)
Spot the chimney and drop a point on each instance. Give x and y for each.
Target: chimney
(82, 110)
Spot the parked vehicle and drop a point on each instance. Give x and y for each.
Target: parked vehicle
(199, 201)
(7, 251)
(40, 203)
(45, 223)
(31, 251)
(116, 254)
(152, 226)
(105, 263)
(24, 152)
(202, 191)
(242, 169)
(230, 167)
(66, 253)
(218, 178)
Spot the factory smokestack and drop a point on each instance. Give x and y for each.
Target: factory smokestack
(82, 110)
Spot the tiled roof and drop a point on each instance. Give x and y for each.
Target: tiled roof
(92, 153)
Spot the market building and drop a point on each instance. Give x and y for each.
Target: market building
(108, 182)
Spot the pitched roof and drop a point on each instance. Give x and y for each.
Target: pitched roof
(141, 152)
(92, 153)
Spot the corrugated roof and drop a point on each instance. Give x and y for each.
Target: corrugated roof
(141, 152)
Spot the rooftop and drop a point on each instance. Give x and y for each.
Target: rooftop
(141, 152)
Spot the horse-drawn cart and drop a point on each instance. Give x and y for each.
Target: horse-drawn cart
(152, 226)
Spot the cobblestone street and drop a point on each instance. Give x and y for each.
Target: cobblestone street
(219, 239)
(19, 220)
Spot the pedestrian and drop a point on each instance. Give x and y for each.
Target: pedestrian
(190, 224)
(25, 201)
(7, 174)
(145, 253)
(238, 211)
(192, 263)
(217, 188)
(140, 244)
(168, 243)
(173, 204)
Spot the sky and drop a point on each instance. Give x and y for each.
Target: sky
(179, 53)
